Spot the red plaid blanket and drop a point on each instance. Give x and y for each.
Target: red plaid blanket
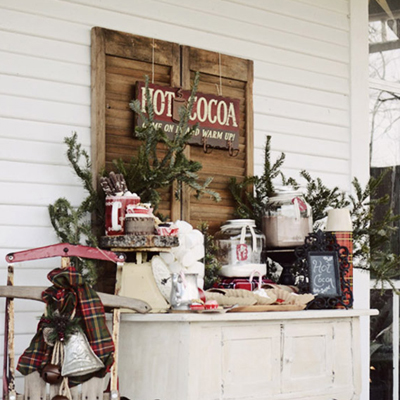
(345, 239)
(70, 292)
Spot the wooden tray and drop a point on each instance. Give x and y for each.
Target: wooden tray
(283, 307)
(276, 307)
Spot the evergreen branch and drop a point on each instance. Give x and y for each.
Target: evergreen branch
(63, 218)
(211, 263)
(371, 235)
(151, 169)
(72, 225)
(270, 171)
(60, 326)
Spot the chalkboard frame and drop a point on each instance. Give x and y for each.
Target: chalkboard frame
(324, 242)
(335, 274)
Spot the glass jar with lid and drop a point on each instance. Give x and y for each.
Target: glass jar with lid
(288, 219)
(240, 245)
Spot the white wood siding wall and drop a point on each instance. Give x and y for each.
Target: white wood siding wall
(301, 56)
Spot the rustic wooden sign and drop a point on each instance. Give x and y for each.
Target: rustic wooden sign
(217, 117)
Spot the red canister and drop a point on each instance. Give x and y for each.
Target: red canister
(115, 213)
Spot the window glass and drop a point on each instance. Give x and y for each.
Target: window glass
(384, 50)
(381, 348)
(385, 128)
(384, 70)
(384, 39)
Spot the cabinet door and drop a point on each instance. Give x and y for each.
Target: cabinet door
(204, 368)
(250, 361)
(308, 359)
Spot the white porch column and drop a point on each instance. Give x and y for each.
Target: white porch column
(359, 106)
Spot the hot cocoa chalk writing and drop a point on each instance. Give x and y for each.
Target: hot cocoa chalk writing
(324, 273)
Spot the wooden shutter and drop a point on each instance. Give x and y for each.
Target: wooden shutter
(234, 77)
(119, 60)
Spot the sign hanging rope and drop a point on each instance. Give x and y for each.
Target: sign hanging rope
(219, 89)
(152, 62)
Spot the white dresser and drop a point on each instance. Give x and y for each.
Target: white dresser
(271, 355)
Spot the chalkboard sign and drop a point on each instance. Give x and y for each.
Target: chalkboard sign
(323, 268)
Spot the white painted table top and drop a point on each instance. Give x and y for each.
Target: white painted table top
(246, 316)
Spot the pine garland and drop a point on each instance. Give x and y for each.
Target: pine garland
(72, 225)
(145, 174)
(320, 197)
(371, 236)
(58, 326)
(211, 263)
(149, 170)
(253, 193)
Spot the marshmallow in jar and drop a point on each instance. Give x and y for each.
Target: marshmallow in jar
(240, 245)
(188, 255)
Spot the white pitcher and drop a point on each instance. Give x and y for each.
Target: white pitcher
(184, 290)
